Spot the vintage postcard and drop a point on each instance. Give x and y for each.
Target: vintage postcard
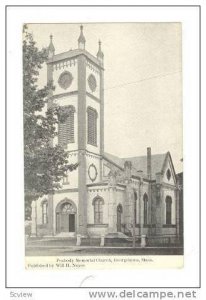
(103, 160)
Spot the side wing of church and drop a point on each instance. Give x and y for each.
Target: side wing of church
(105, 195)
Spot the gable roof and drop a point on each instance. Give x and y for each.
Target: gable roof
(140, 163)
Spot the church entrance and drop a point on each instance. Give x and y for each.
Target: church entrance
(119, 218)
(65, 217)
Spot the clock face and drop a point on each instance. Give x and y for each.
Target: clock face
(92, 171)
(92, 82)
(65, 80)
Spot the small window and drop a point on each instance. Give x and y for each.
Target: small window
(45, 212)
(145, 200)
(98, 211)
(135, 207)
(168, 210)
(66, 178)
(168, 174)
(91, 126)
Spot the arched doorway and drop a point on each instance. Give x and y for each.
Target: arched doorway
(66, 216)
(119, 218)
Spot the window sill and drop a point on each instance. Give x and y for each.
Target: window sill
(95, 145)
(169, 226)
(149, 225)
(97, 225)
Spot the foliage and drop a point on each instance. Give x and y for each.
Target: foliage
(44, 164)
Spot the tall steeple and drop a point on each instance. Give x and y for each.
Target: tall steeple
(81, 39)
(100, 54)
(51, 49)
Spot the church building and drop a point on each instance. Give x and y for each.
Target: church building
(105, 195)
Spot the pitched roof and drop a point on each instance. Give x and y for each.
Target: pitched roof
(139, 163)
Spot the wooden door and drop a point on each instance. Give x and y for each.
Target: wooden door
(64, 222)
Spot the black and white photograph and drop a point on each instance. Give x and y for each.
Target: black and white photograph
(103, 151)
(103, 160)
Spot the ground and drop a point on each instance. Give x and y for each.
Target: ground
(67, 247)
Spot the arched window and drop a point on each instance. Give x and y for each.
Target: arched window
(66, 125)
(145, 200)
(135, 207)
(98, 210)
(91, 126)
(44, 212)
(168, 201)
(67, 208)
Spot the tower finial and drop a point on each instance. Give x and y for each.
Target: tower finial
(81, 39)
(51, 49)
(100, 54)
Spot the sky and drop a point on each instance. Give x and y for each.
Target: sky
(142, 81)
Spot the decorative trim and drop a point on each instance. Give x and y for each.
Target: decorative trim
(121, 185)
(89, 171)
(96, 190)
(62, 95)
(93, 97)
(66, 191)
(86, 152)
(98, 65)
(64, 64)
(97, 184)
(57, 58)
(92, 67)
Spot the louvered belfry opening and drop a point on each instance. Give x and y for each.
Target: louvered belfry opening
(92, 126)
(66, 126)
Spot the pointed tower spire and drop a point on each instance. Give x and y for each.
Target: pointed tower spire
(51, 49)
(81, 39)
(100, 54)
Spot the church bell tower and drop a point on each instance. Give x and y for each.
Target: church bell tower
(79, 91)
